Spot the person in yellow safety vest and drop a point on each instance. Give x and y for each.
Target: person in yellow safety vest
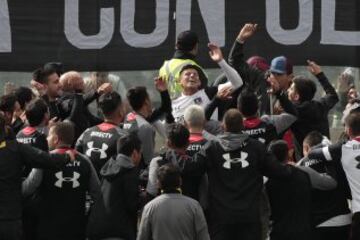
(186, 50)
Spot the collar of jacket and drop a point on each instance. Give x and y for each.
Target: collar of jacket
(183, 55)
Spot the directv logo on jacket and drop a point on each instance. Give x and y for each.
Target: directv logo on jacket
(99, 143)
(31, 136)
(262, 131)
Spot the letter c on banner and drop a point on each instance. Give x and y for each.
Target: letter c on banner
(138, 40)
(5, 30)
(77, 38)
(294, 36)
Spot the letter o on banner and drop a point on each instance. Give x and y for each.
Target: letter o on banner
(293, 36)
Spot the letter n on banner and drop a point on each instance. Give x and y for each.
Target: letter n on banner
(213, 13)
(5, 30)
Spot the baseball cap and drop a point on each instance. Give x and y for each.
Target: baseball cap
(281, 65)
(258, 62)
(187, 40)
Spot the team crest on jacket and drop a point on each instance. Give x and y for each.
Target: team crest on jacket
(198, 101)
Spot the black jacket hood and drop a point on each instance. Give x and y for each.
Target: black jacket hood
(113, 167)
(232, 141)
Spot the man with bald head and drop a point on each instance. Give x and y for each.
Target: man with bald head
(73, 102)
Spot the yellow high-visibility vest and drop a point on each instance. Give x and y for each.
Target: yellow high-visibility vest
(170, 72)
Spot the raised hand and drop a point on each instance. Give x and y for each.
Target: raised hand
(246, 32)
(215, 52)
(104, 88)
(313, 68)
(160, 84)
(225, 93)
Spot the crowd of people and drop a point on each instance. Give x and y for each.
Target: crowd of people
(247, 157)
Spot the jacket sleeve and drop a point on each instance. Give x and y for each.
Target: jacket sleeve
(286, 104)
(90, 96)
(32, 182)
(282, 122)
(79, 144)
(94, 182)
(145, 231)
(131, 188)
(231, 74)
(318, 180)
(201, 228)
(39, 159)
(236, 55)
(237, 60)
(328, 153)
(211, 106)
(331, 97)
(165, 107)
(151, 187)
(146, 135)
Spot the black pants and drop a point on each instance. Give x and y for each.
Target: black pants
(239, 231)
(10, 230)
(355, 227)
(332, 233)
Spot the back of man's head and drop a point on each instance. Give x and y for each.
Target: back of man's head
(23, 96)
(72, 81)
(248, 104)
(305, 87)
(41, 75)
(178, 136)
(233, 121)
(352, 123)
(65, 132)
(169, 177)
(313, 138)
(109, 103)
(194, 117)
(280, 149)
(128, 143)
(7, 103)
(137, 97)
(186, 41)
(57, 66)
(36, 111)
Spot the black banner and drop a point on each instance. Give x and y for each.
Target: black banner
(140, 34)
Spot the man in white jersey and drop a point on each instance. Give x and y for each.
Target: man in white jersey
(191, 85)
(347, 156)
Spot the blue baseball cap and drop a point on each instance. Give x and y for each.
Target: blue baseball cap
(281, 65)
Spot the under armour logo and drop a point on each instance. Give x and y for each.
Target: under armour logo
(358, 159)
(61, 179)
(229, 161)
(101, 150)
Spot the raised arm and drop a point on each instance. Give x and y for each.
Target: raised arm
(231, 74)
(331, 97)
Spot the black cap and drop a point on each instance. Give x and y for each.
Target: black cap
(187, 40)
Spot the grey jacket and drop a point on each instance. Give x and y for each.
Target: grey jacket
(173, 216)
